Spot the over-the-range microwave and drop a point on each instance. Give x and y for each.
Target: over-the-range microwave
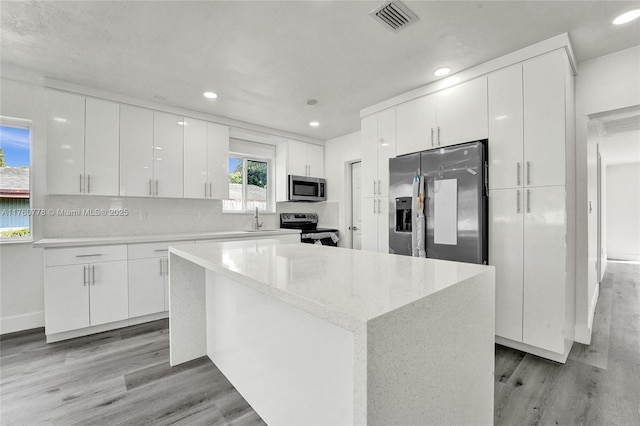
(305, 188)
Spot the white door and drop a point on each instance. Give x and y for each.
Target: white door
(505, 128)
(218, 161)
(297, 158)
(65, 143)
(369, 145)
(369, 220)
(416, 125)
(109, 295)
(195, 159)
(544, 267)
(102, 139)
(506, 254)
(66, 298)
(544, 119)
(146, 286)
(356, 210)
(168, 151)
(136, 151)
(462, 112)
(386, 144)
(315, 160)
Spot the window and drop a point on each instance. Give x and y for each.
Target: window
(248, 184)
(15, 196)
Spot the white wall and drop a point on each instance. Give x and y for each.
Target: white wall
(623, 211)
(338, 155)
(602, 84)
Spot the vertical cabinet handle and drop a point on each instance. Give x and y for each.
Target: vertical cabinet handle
(518, 173)
(438, 135)
(379, 190)
(210, 190)
(161, 271)
(432, 137)
(518, 201)
(528, 201)
(156, 186)
(81, 183)
(85, 268)
(150, 187)
(88, 183)
(374, 187)
(374, 206)
(528, 173)
(166, 268)
(379, 210)
(205, 190)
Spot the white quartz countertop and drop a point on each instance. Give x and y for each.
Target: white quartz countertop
(132, 239)
(343, 286)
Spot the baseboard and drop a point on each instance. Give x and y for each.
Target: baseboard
(633, 257)
(21, 322)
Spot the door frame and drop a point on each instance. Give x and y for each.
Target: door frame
(348, 237)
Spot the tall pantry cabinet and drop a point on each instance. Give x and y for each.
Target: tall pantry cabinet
(531, 149)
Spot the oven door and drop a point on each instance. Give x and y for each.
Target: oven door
(304, 188)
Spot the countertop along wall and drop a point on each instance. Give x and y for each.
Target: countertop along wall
(21, 265)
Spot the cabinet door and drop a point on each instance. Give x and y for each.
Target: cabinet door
(101, 162)
(544, 119)
(195, 159)
(369, 149)
(66, 298)
(383, 224)
(415, 125)
(386, 144)
(544, 267)
(109, 295)
(505, 128)
(168, 151)
(136, 151)
(65, 143)
(218, 161)
(506, 254)
(297, 158)
(462, 112)
(165, 283)
(146, 286)
(315, 160)
(369, 220)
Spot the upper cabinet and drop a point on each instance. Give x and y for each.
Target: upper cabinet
(136, 151)
(168, 137)
(206, 153)
(527, 123)
(378, 137)
(452, 116)
(298, 159)
(82, 145)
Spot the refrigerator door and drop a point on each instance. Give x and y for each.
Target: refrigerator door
(402, 170)
(456, 206)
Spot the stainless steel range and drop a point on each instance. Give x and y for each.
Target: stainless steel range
(308, 224)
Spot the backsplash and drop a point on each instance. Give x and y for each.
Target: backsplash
(70, 216)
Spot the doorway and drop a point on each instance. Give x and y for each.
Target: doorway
(355, 223)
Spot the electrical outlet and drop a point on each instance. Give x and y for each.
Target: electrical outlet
(200, 215)
(142, 215)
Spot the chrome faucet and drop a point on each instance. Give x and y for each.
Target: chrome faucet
(258, 225)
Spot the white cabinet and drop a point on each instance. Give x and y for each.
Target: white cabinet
(378, 146)
(527, 247)
(82, 145)
(102, 139)
(85, 286)
(452, 116)
(136, 151)
(206, 153)
(527, 123)
(298, 159)
(168, 137)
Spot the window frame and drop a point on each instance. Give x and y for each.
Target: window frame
(21, 123)
(270, 182)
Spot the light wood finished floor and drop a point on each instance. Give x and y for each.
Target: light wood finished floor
(123, 377)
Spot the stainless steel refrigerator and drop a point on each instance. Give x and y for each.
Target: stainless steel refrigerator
(455, 202)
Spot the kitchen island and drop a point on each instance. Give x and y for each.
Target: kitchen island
(313, 334)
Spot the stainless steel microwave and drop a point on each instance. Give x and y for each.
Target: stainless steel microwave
(305, 188)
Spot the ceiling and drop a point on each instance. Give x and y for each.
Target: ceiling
(265, 58)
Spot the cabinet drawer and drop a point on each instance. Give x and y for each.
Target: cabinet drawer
(147, 250)
(79, 255)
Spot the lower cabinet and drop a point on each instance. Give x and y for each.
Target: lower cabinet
(528, 248)
(85, 287)
(375, 224)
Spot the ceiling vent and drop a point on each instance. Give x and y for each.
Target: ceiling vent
(394, 15)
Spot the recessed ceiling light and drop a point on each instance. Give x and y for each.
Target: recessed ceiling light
(183, 123)
(627, 17)
(442, 71)
(314, 124)
(311, 102)
(210, 95)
